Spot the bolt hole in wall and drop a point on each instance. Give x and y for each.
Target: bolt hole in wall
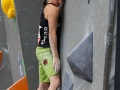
(88, 1)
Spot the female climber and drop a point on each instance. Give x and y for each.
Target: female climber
(47, 49)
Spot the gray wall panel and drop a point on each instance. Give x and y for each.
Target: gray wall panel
(29, 41)
(28, 16)
(5, 69)
(28, 12)
(14, 49)
(79, 19)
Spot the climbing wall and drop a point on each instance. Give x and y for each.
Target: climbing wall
(86, 38)
(28, 17)
(80, 18)
(5, 71)
(12, 67)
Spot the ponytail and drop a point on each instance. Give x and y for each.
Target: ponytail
(44, 3)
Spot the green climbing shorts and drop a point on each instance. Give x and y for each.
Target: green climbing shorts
(45, 59)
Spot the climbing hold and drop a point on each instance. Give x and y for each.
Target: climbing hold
(80, 59)
(8, 8)
(68, 83)
(21, 84)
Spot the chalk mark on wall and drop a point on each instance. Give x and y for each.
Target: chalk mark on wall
(0, 18)
(88, 1)
(20, 66)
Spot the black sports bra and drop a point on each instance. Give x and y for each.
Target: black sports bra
(52, 4)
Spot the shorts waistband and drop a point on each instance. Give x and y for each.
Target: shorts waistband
(42, 49)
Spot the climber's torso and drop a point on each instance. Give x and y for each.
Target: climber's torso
(44, 30)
